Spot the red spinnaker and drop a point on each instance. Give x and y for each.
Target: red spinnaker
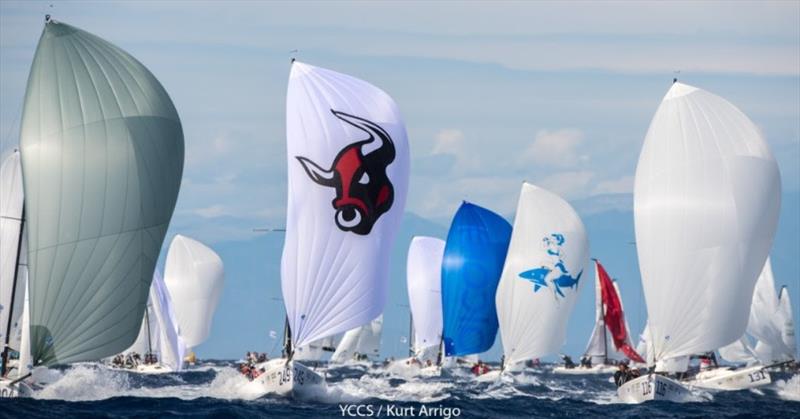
(614, 317)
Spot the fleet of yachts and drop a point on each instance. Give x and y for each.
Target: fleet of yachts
(88, 197)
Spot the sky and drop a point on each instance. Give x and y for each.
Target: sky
(493, 93)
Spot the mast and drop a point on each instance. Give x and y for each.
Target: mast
(411, 342)
(4, 368)
(287, 339)
(147, 322)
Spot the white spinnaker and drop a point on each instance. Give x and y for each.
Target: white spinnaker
(194, 275)
(11, 198)
(334, 279)
(424, 277)
(788, 332)
(533, 323)
(102, 158)
(363, 340)
(706, 202)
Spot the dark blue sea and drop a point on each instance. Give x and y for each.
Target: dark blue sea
(210, 390)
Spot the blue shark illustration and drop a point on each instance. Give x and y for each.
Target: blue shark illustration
(538, 276)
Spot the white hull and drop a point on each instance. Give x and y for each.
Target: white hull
(653, 387)
(10, 391)
(595, 369)
(145, 369)
(729, 379)
(284, 378)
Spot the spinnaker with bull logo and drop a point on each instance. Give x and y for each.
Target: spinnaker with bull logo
(347, 157)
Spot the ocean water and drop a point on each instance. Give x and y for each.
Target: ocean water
(210, 390)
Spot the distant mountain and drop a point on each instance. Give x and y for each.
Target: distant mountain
(250, 307)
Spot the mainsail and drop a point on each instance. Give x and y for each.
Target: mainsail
(194, 276)
(706, 203)
(424, 276)
(766, 322)
(12, 253)
(610, 325)
(471, 266)
(787, 333)
(542, 275)
(361, 341)
(315, 351)
(348, 176)
(102, 158)
(159, 332)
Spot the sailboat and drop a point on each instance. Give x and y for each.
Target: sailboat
(102, 157)
(765, 325)
(159, 342)
(13, 278)
(194, 276)
(706, 204)
(361, 344)
(473, 259)
(424, 280)
(348, 163)
(610, 339)
(541, 277)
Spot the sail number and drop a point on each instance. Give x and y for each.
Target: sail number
(757, 376)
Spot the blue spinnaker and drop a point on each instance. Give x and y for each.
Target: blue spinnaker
(473, 262)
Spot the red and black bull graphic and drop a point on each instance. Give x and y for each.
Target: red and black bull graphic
(364, 191)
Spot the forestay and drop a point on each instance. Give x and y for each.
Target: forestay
(542, 275)
(706, 202)
(348, 176)
(424, 275)
(471, 266)
(11, 198)
(194, 275)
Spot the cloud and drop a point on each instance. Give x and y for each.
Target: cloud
(623, 185)
(213, 211)
(453, 142)
(556, 148)
(569, 185)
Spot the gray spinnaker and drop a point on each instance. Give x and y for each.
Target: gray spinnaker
(102, 159)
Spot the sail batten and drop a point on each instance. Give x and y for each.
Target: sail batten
(706, 202)
(102, 151)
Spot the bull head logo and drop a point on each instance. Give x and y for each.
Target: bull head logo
(363, 190)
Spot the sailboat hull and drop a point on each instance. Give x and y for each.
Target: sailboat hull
(653, 387)
(284, 378)
(11, 391)
(730, 379)
(594, 369)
